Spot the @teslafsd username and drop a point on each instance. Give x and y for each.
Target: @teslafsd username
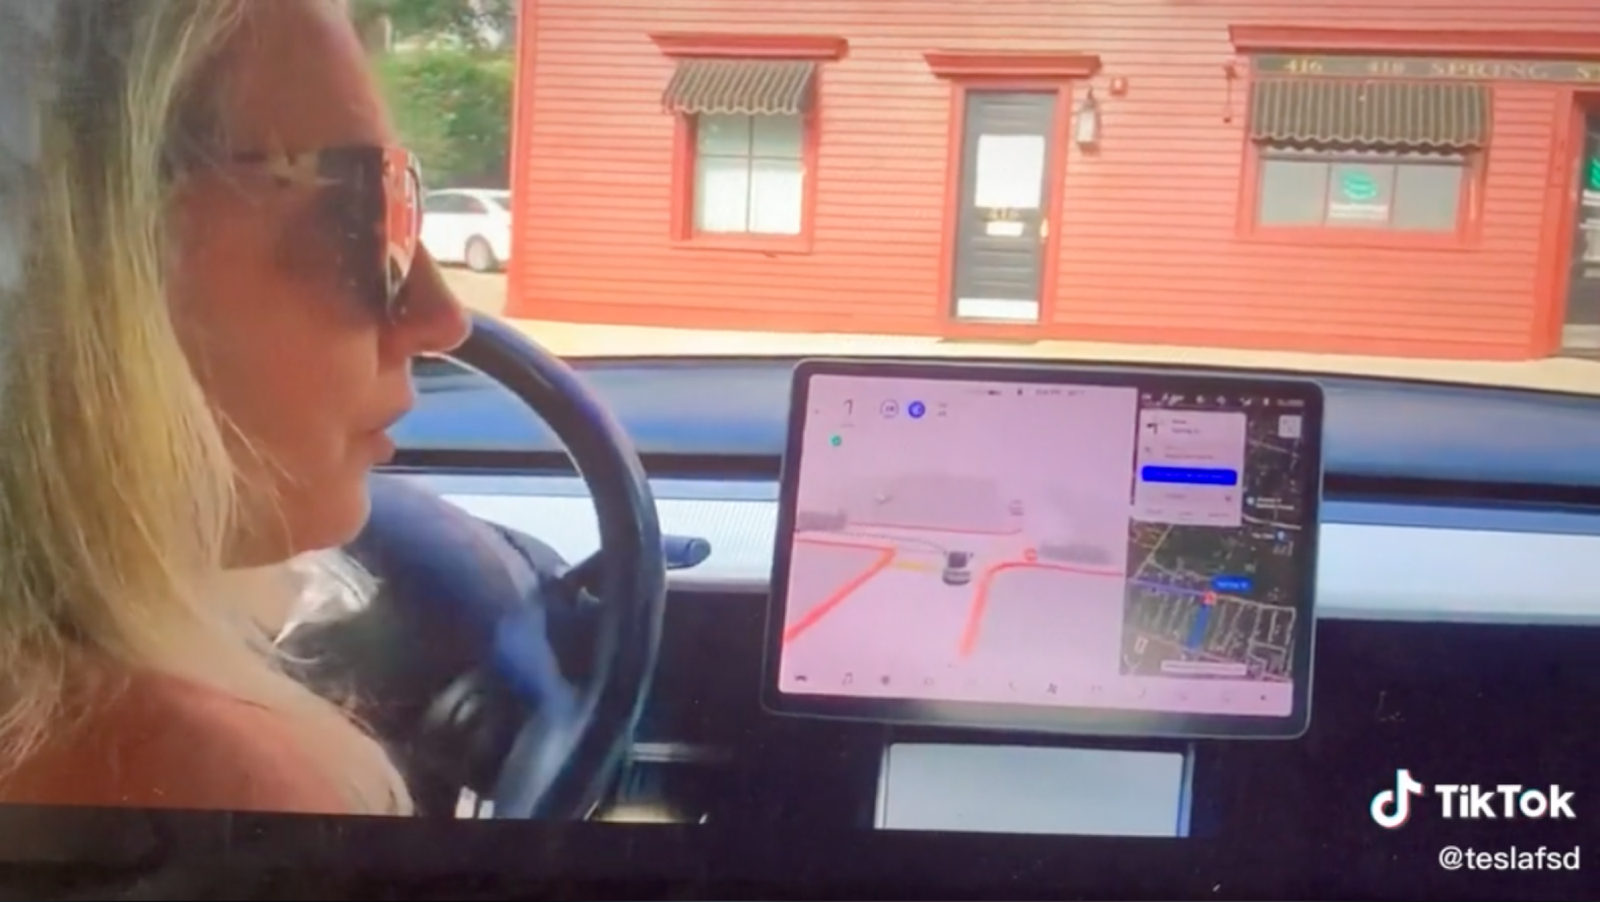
(1460, 858)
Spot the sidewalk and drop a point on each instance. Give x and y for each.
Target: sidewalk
(584, 340)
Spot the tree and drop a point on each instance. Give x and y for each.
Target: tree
(448, 83)
(453, 109)
(470, 24)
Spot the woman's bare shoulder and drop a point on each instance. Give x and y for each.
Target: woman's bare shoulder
(169, 743)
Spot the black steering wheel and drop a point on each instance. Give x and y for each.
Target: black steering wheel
(459, 589)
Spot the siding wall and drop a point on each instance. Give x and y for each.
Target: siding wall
(1148, 247)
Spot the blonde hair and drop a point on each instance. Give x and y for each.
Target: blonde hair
(118, 495)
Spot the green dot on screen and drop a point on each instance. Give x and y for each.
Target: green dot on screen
(836, 441)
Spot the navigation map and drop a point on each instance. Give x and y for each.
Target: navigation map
(1222, 602)
(960, 544)
(1043, 544)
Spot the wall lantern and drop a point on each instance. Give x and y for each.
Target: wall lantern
(1086, 121)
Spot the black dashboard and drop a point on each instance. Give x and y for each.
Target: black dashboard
(1455, 634)
(1453, 702)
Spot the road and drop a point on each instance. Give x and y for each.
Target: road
(873, 610)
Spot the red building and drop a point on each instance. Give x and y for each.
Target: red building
(1344, 176)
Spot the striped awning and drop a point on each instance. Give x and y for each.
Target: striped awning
(740, 87)
(1369, 113)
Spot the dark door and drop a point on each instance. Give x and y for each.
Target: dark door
(1003, 215)
(1581, 330)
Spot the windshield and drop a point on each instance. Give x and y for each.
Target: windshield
(742, 191)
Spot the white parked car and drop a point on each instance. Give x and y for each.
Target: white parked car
(468, 225)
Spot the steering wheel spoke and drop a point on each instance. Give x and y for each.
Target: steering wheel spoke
(578, 584)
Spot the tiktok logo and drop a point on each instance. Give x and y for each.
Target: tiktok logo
(1392, 807)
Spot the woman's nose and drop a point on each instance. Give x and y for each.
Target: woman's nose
(435, 321)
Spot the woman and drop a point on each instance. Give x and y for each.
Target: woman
(211, 293)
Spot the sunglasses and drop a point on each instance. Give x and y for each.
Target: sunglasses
(376, 202)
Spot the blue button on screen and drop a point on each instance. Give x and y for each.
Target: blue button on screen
(1189, 475)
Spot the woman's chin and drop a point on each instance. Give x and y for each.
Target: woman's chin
(339, 519)
(314, 522)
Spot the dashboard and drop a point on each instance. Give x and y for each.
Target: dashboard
(1455, 626)
(1440, 504)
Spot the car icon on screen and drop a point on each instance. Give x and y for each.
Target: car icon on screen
(957, 568)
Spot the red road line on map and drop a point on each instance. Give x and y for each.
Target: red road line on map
(960, 532)
(812, 617)
(980, 595)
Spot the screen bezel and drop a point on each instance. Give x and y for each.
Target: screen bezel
(1041, 719)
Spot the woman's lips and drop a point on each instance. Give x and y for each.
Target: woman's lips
(382, 443)
(380, 439)
(383, 446)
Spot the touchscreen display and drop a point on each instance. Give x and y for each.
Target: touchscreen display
(1131, 546)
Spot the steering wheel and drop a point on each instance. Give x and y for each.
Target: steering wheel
(466, 590)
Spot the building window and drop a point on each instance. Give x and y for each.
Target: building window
(1355, 154)
(749, 174)
(1360, 190)
(746, 151)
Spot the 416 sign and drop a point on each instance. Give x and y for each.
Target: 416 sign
(1581, 71)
